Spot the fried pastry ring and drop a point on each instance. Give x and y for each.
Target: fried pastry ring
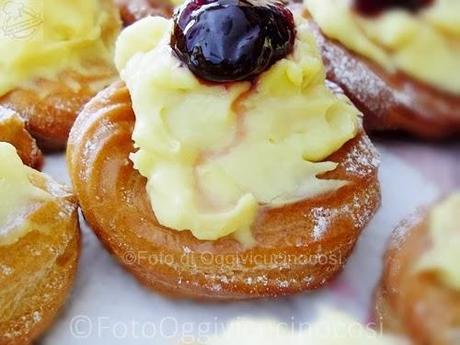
(37, 271)
(50, 107)
(133, 10)
(415, 304)
(298, 247)
(390, 102)
(13, 131)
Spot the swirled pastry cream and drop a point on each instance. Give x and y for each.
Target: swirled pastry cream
(17, 194)
(215, 151)
(40, 39)
(422, 42)
(444, 230)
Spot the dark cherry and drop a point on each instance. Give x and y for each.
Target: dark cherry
(231, 40)
(375, 7)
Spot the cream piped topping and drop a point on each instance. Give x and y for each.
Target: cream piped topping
(215, 154)
(424, 45)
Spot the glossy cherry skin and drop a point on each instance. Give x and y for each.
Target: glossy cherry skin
(231, 40)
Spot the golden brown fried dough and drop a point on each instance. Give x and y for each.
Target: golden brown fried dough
(298, 247)
(51, 106)
(37, 271)
(416, 303)
(12, 130)
(390, 102)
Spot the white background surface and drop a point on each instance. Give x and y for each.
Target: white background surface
(108, 306)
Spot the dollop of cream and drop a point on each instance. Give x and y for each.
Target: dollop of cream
(331, 328)
(42, 38)
(424, 45)
(444, 228)
(17, 194)
(214, 154)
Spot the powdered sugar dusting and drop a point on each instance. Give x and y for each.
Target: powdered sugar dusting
(361, 80)
(362, 159)
(322, 218)
(36, 316)
(401, 231)
(359, 208)
(39, 270)
(6, 270)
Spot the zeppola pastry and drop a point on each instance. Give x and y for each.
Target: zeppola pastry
(398, 61)
(56, 55)
(13, 131)
(39, 248)
(419, 293)
(223, 166)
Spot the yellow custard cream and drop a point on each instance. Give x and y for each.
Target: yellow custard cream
(17, 193)
(214, 154)
(425, 45)
(444, 223)
(331, 328)
(41, 38)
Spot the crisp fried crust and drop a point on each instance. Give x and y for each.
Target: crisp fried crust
(390, 102)
(50, 107)
(289, 240)
(417, 304)
(37, 271)
(133, 10)
(13, 131)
